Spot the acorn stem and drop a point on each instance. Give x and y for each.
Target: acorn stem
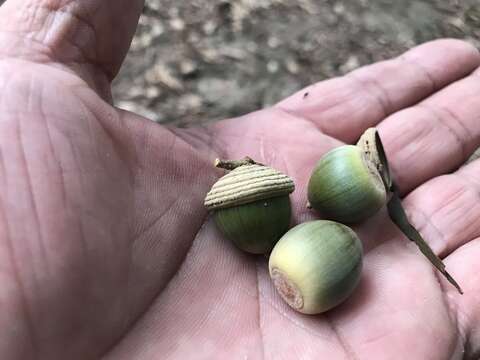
(233, 164)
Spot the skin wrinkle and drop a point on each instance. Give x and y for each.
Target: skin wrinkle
(55, 55)
(3, 172)
(349, 352)
(259, 317)
(427, 222)
(41, 243)
(404, 173)
(17, 277)
(27, 312)
(198, 137)
(292, 321)
(471, 182)
(81, 176)
(139, 172)
(91, 134)
(318, 124)
(210, 315)
(472, 186)
(237, 136)
(56, 158)
(144, 142)
(431, 79)
(127, 301)
(79, 222)
(86, 69)
(114, 140)
(450, 308)
(155, 297)
(382, 98)
(90, 31)
(440, 119)
(468, 320)
(218, 147)
(466, 133)
(117, 116)
(248, 292)
(304, 212)
(467, 225)
(341, 102)
(205, 317)
(91, 82)
(285, 164)
(308, 122)
(139, 232)
(375, 338)
(28, 178)
(197, 326)
(171, 146)
(212, 150)
(137, 237)
(95, 77)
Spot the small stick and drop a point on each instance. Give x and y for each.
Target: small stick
(233, 164)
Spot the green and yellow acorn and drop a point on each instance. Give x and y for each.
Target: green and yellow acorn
(346, 186)
(316, 265)
(251, 204)
(351, 183)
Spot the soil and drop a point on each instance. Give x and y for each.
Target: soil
(195, 61)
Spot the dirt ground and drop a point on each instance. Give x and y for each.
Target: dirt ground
(194, 61)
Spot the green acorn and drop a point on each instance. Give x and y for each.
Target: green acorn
(251, 204)
(316, 265)
(346, 185)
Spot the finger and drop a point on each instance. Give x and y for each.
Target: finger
(90, 36)
(435, 136)
(346, 106)
(446, 209)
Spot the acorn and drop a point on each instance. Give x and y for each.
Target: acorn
(351, 183)
(316, 265)
(346, 185)
(251, 204)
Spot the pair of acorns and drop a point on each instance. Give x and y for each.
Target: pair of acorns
(316, 265)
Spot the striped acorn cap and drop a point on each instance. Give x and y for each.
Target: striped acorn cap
(246, 184)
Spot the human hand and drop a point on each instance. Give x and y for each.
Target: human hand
(107, 251)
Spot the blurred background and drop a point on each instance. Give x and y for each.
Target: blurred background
(195, 61)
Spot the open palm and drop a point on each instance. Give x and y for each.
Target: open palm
(107, 252)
